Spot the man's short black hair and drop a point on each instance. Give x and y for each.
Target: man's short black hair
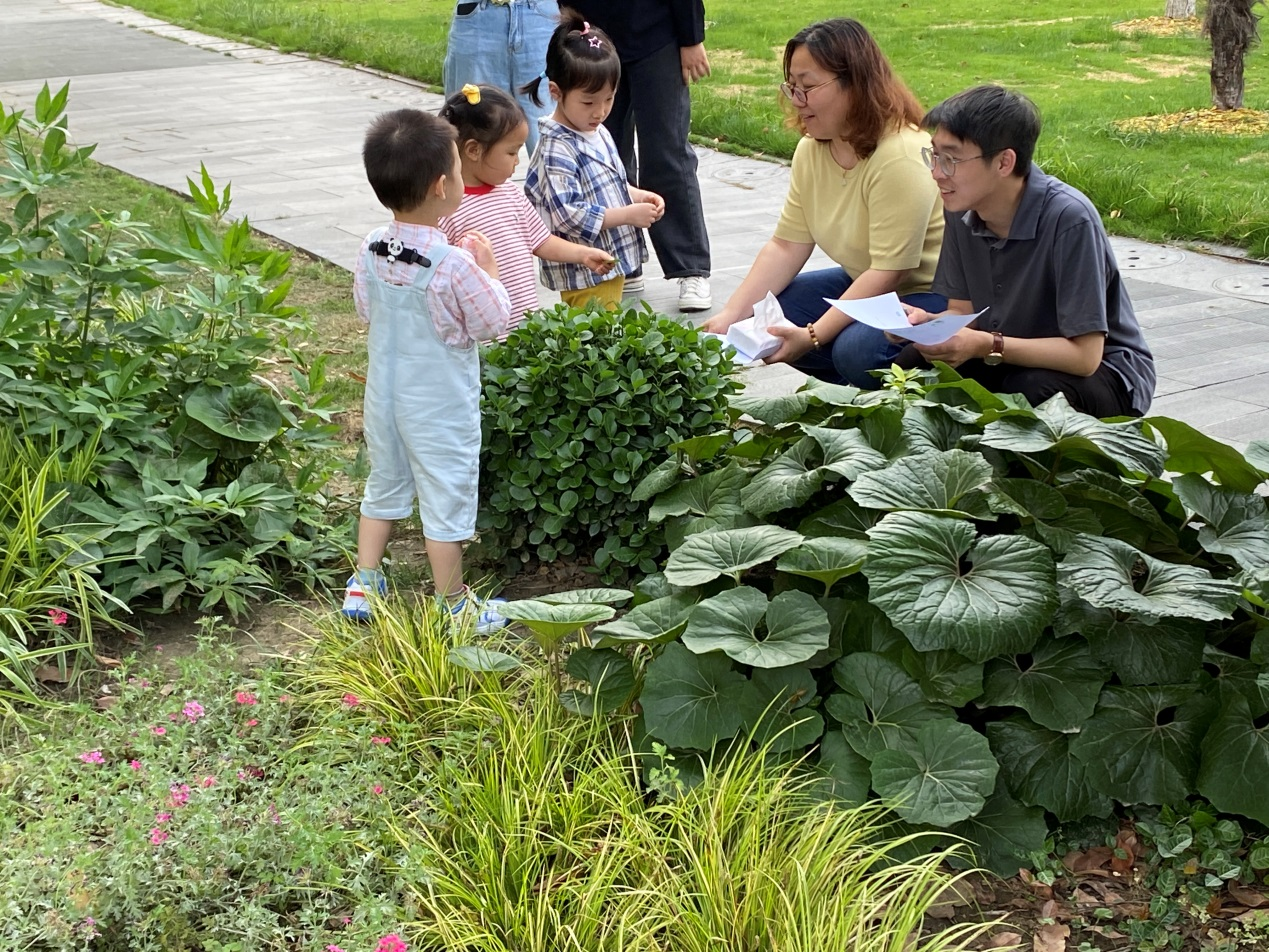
(405, 152)
(994, 119)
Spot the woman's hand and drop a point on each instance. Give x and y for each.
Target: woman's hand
(719, 323)
(796, 343)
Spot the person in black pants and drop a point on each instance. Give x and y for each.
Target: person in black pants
(662, 48)
(1033, 250)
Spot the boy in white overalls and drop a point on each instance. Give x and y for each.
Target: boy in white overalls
(427, 304)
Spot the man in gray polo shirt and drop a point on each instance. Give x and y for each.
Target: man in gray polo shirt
(1033, 249)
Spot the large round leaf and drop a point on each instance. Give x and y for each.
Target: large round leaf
(707, 555)
(694, 701)
(1057, 683)
(652, 623)
(846, 453)
(1168, 651)
(786, 723)
(941, 779)
(610, 675)
(879, 705)
(1027, 498)
(1000, 604)
(1038, 766)
(243, 413)
(1190, 451)
(1059, 428)
(847, 772)
(1142, 744)
(714, 494)
(1237, 524)
(825, 559)
(788, 480)
(588, 596)
(1005, 834)
(550, 622)
(1235, 769)
(1122, 511)
(931, 429)
(784, 408)
(483, 660)
(796, 627)
(945, 677)
(842, 518)
(1112, 574)
(931, 482)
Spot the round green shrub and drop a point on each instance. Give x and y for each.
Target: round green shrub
(579, 405)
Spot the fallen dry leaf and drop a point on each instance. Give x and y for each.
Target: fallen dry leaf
(1126, 843)
(1003, 940)
(1050, 938)
(1248, 897)
(1094, 858)
(107, 662)
(105, 702)
(48, 672)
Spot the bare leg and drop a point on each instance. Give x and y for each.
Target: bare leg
(447, 566)
(372, 540)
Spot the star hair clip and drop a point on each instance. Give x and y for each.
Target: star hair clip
(472, 94)
(595, 42)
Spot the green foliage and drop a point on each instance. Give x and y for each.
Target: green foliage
(171, 354)
(579, 405)
(206, 810)
(984, 611)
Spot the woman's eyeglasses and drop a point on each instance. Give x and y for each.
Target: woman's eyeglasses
(798, 94)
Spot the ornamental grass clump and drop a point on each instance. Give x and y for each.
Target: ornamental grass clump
(579, 405)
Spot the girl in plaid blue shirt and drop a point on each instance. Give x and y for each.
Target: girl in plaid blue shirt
(576, 179)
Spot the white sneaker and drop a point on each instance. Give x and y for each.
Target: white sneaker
(694, 294)
(634, 285)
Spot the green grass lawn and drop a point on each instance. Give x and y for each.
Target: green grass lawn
(1081, 72)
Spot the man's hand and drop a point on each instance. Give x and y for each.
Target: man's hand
(796, 344)
(965, 344)
(694, 63)
(598, 261)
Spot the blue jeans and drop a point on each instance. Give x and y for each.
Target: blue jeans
(502, 45)
(858, 348)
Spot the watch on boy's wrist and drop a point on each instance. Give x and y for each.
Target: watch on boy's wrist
(997, 355)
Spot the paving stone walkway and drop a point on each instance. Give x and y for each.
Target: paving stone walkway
(287, 130)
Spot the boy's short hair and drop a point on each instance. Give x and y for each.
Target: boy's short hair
(994, 119)
(405, 152)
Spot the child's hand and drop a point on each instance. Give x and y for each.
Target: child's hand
(644, 214)
(601, 262)
(480, 248)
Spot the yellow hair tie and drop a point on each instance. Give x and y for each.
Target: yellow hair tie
(472, 93)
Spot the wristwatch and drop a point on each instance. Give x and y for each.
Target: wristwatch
(997, 355)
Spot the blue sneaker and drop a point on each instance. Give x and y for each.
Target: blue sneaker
(356, 600)
(488, 619)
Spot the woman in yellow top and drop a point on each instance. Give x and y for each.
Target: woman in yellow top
(860, 190)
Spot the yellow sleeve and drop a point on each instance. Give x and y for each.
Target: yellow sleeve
(903, 204)
(793, 225)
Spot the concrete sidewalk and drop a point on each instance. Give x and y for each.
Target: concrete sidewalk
(287, 130)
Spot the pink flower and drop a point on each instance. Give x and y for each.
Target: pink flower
(157, 836)
(92, 757)
(245, 697)
(57, 616)
(193, 711)
(377, 789)
(208, 781)
(160, 731)
(251, 772)
(391, 943)
(252, 723)
(351, 700)
(162, 817)
(273, 814)
(284, 698)
(134, 764)
(158, 648)
(180, 795)
(381, 740)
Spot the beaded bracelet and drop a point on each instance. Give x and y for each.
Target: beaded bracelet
(815, 341)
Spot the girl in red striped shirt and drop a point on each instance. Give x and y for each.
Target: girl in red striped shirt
(492, 128)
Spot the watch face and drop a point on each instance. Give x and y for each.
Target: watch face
(991, 360)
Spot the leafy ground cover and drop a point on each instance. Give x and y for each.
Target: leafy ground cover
(1191, 182)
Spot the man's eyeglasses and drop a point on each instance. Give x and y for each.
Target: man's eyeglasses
(945, 163)
(799, 94)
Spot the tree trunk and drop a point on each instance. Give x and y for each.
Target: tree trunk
(1179, 9)
(1232, 28)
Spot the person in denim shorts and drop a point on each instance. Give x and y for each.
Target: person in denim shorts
(501, 43)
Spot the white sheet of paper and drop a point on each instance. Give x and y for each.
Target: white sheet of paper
(885, 313)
